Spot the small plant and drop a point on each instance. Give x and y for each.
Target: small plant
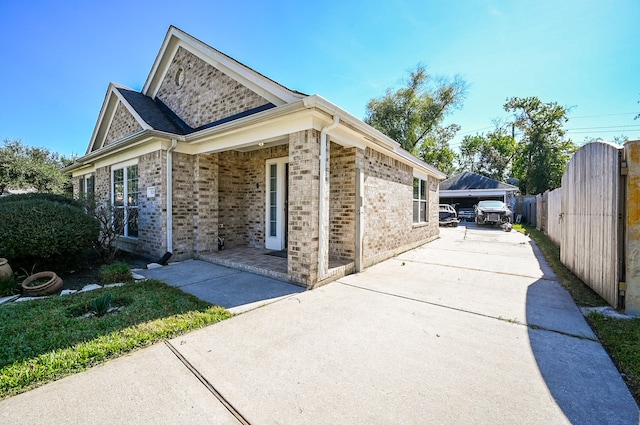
(116, 272)
(8, 287)
(101, 305)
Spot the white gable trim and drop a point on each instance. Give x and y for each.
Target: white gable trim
(130, 108)
(107, 112)
(175, 38)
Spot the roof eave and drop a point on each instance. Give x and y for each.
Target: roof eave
(370, 133)
(130, 141)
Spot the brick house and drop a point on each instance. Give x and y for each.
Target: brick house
(210, 148)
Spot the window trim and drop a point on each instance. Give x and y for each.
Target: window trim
(422, 199)
(83, 185)
(126, 207)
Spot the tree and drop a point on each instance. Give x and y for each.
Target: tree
(543, 152)
(12, 165)
(26, 167)
(412, 115)
(436, 150)
(489, 155)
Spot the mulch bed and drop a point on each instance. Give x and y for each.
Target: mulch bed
(90, 273)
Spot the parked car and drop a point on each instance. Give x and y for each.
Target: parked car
(448, 216)
(467, 214)
(493, 212)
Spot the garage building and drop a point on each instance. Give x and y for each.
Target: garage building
(466, 189)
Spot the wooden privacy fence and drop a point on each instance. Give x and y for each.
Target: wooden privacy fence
(591, 218)
(586, 218)
(554, 215)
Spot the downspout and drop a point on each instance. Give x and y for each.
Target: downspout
(323, 218)
(174, 144)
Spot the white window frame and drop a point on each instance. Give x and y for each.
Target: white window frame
(82, 189)
(125, 166)
(421, 199)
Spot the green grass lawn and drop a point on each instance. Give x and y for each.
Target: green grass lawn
(44, 340)
(620, 337)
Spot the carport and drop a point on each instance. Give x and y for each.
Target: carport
(466, 189)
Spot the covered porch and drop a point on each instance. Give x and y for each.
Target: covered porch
(262, 202)
(270, 263)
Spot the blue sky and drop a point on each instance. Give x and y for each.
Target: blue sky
(58, 57)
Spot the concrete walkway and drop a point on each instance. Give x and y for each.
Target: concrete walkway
(235, 290)
(471, 328)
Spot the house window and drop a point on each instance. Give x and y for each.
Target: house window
(125, 200)
(420, 201)
(87, 186)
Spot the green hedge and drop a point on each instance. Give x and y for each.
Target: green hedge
(50, 197)
(45, 231)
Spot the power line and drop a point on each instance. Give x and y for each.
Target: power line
(604, 115)
(600, 131)
(570, 118)
(610, 126)
(475, 131)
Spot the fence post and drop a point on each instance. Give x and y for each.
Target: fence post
(632, 223)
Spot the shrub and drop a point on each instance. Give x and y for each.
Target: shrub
(8, 287)
(49, 197)
(116, 272)
(44, 232)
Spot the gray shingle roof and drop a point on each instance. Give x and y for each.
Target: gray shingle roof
(468, 181)
(151, 112)
(161, 118)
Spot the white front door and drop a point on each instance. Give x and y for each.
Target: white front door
(276, 203)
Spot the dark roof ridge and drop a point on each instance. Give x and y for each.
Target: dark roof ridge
(467, 180)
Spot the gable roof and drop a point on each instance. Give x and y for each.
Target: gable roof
(269, 89)
(152, 114)
(470, 181)
(158, 122)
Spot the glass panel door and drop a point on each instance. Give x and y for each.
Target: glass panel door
(276, 203)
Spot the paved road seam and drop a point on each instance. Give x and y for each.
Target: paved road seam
(207, 385)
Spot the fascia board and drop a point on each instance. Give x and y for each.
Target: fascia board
(285, 119)
(281, 112)
(103, 111)
(161, 63)
(82, 171)
(239, 137)
(474, 192)
(370, 134)
(345, 117)
(132, 152)
(131, 141)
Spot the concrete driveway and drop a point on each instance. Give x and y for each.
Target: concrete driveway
(471, 328)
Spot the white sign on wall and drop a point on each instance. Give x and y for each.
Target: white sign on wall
(151, 192)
